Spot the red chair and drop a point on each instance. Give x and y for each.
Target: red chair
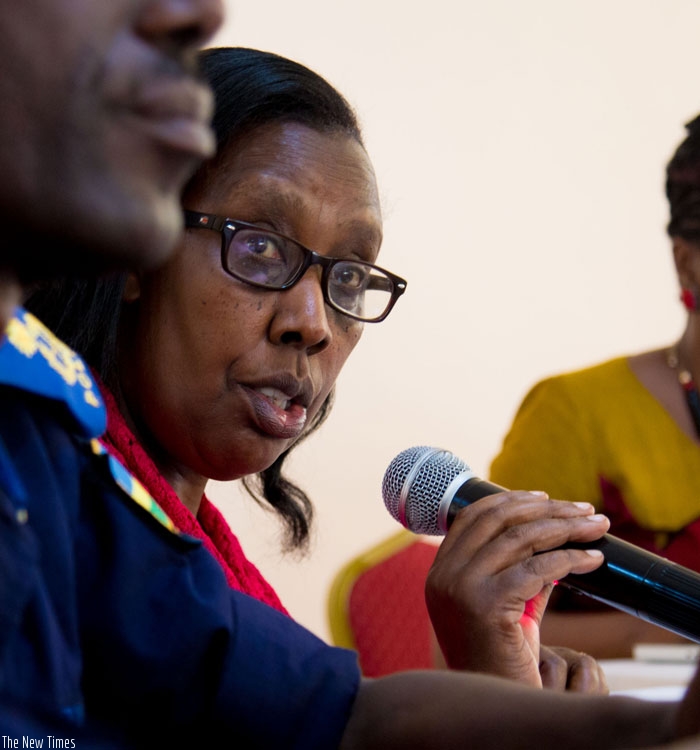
(376, 606)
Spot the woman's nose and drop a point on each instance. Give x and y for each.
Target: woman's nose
(301, 318)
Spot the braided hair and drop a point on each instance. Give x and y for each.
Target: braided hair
(683, 186)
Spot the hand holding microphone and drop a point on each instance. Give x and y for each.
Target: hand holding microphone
(487, 589)
(424, 488)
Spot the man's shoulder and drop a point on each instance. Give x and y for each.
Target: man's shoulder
(34, 360)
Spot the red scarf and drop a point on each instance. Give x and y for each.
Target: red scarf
(209, 526)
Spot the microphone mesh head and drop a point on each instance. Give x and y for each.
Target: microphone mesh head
(414, 484)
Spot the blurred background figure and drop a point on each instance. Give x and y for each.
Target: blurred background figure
(104, 120)
(624, 435)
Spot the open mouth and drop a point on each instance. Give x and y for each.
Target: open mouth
(276, 414)
(278, 398)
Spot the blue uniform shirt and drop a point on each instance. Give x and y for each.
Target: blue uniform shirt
(108, 615)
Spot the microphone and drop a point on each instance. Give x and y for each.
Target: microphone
(424, 488)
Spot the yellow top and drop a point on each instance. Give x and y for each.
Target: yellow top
(598, 435)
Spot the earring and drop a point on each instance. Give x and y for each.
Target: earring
(689, 298)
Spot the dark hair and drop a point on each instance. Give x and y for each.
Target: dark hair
(683, 186)
(85, 314)
(252, 89)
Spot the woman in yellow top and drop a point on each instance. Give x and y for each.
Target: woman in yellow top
(624, 435)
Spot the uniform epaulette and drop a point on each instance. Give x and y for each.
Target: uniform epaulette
(33, 359)
(133, 488)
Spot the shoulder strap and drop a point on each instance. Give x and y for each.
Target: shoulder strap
(132, 487)
(33, 359)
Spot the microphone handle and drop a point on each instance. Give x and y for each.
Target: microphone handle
(630, 579)
(643, 584)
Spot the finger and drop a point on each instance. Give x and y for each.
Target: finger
(585, 675)
(566, 669)
(519, 544)
(553, 669)
(535, 607)
(507, 568)
(482, 522)
(519, 583)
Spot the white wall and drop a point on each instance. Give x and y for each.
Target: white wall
(519, 148)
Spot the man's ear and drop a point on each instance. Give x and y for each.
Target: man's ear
(132, 288)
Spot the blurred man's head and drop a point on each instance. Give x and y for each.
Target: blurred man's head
(102, 123)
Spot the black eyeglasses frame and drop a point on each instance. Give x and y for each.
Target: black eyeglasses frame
(228, 228)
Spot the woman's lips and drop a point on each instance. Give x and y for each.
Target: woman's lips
(275, 414)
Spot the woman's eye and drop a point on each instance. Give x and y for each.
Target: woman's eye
(264, 246)
(350, 277)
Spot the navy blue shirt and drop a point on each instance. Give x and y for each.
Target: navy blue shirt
(110, 617)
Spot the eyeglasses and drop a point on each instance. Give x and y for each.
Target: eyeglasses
(270, 260)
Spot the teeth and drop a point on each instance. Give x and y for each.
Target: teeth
(278, 398)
